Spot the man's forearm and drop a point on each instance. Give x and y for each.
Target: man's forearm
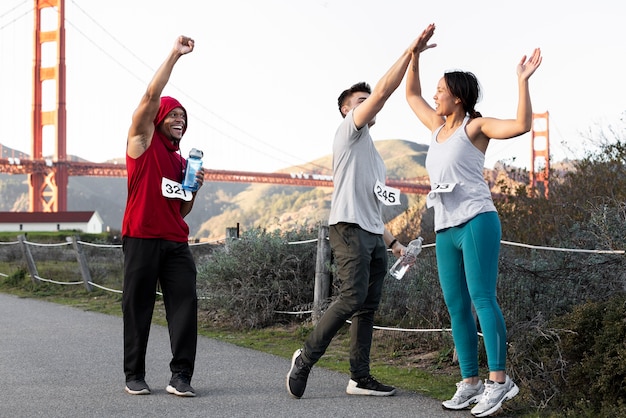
(163, 73)
(393, 77)
(186, 207)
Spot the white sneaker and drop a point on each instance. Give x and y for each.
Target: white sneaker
(493, 396)
(465, 395)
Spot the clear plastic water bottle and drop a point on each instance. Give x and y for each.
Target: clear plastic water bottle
(403, 263)
(194, 163)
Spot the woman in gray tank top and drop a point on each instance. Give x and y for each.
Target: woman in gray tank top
(466, 222)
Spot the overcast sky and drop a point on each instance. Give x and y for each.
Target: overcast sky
(262, 83)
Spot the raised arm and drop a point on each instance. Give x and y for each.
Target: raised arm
(425, 113)
(510, 128)
(142, 124)
(367, 111)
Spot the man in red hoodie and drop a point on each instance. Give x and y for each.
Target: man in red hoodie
(155, 235)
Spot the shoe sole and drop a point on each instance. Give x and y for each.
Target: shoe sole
(353, 390)
(293, 364)
(137, 392)
(171, 389)
(470, 401)
(509, 395)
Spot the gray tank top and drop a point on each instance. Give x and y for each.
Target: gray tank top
(459, 190)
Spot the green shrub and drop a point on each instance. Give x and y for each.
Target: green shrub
(246, 283)
(595, 355)
(576, 363)
(17, 277)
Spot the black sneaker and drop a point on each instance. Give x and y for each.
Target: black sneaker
(298, 375)
(369, 386)
(180, 386)
(137, 387)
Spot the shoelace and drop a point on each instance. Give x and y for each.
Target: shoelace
(460, 387)
(370, 381)
(303, 369)
(489, 390)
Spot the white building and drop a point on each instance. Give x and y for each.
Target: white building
(88, 222)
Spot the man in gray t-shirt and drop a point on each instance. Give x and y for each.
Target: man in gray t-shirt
(358, 237)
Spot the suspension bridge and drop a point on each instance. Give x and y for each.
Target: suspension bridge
(48, 176)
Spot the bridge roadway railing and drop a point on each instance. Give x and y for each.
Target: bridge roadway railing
(80, 168)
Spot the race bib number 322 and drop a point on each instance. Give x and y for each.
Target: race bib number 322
(174, 190)
(388, 195)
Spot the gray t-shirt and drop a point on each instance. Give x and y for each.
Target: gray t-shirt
(357, 166)
(458, 165)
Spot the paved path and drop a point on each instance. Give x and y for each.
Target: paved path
(58, 361)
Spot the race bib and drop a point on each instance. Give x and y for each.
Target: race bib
(174, 190)
(388, 195)
(436, 190)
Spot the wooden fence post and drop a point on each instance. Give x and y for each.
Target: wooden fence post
(232, 233)
(30, 262)
(82, 262)
(321, 292)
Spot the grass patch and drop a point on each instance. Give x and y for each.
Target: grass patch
(434, 381)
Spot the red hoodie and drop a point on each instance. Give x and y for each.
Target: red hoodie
(148, 213)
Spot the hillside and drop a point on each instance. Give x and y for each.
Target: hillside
(285, 207)
(222, 205)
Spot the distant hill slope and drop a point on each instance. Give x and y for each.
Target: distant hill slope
(285, 207)
(222, 205)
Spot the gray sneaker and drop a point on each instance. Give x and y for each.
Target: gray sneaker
(493, 396)
(466, 394)
(137, 387)
(180, 385)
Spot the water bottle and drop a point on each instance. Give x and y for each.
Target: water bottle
(194, 163)
(403, 263)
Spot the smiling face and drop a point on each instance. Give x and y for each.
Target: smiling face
(173, 126)
(445, 102)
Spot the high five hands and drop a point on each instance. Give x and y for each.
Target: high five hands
(421, 43)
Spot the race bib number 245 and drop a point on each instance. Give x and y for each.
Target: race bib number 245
(390, 196)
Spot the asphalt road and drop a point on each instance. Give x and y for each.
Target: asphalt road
(58, 361)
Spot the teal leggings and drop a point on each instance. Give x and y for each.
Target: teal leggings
(467, 259)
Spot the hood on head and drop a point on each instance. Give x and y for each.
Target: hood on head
(167, 104)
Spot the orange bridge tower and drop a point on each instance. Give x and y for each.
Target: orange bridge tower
(540, 154)
(48, 186)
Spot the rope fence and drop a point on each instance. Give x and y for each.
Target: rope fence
(523, 287)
